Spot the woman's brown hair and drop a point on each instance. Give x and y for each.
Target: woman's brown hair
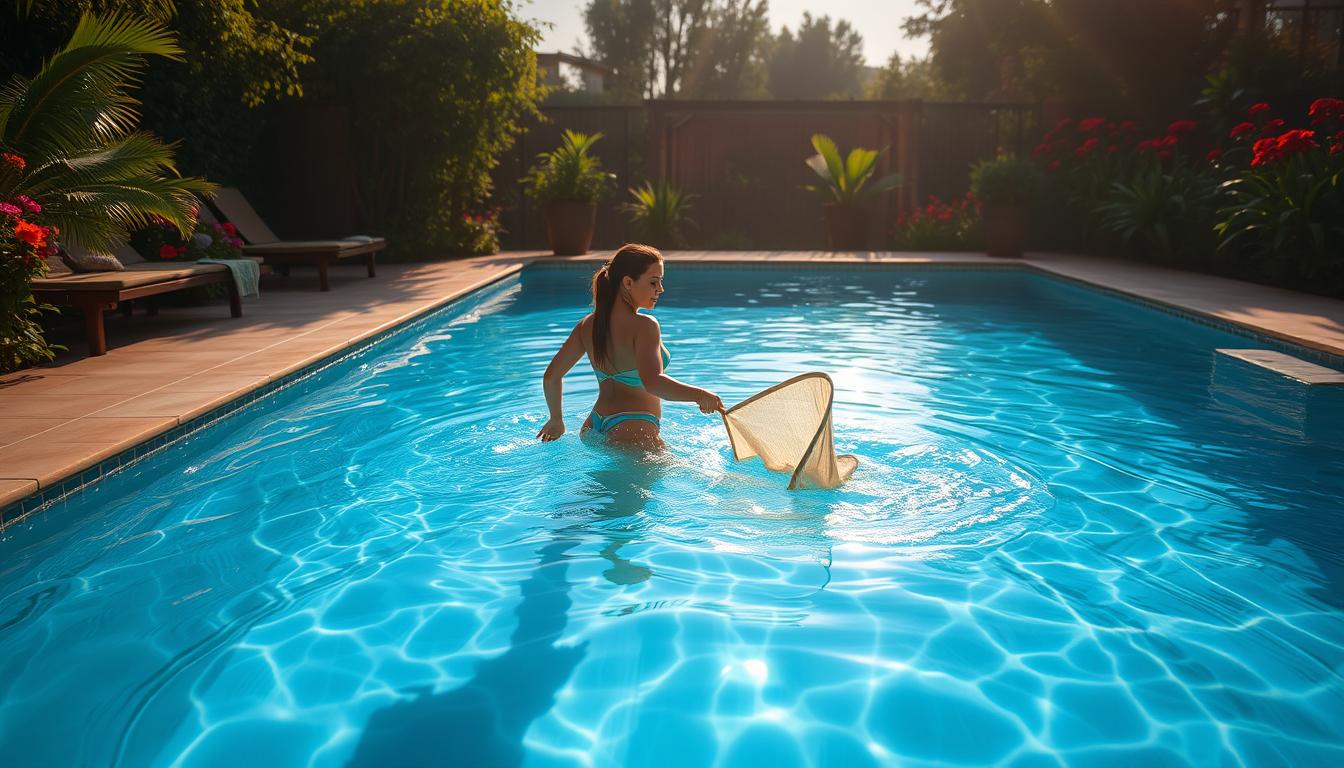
(632, 260)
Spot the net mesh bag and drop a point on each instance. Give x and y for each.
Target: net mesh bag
(789, 427)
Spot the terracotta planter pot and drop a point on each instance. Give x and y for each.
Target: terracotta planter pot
(846, 227)
(569, 227)
(1005, 230)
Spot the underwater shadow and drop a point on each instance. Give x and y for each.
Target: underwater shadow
(482, 723)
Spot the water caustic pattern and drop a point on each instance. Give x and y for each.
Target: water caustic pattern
(1062, 546)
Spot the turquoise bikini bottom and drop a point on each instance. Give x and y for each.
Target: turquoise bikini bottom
(603, 424)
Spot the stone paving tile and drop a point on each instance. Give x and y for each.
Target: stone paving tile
(37, 404)
(15, 490)
(113, 429)
(48, 463)
(12, 430)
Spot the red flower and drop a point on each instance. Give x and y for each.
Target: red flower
(1086, 148)
(10, 209)
(167, 252)
(181, 250)
(1181, 127)
(1273, 125)
(12, 160)
(1111, 149)
(1053, 166)
(31, 234)
(1325, 109)
(1168, 141)
(29, 203)
(1214, 154)
(230, 228)
(1294, 142)
(1270, 148)
(1242, 129)
(1090, 124)
(1257, 108)
(1129, 125)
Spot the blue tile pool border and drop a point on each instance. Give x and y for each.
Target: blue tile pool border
(46, 498)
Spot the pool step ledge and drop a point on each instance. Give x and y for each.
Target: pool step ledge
(1294, 368)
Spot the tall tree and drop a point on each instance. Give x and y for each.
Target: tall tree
(620, 33)
(989, 49)
(681, 25)
(821, 61)
(906, 79)
(1139, 56)
(668, 48)
(729, 61)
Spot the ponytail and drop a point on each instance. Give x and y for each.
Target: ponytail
(631, 261)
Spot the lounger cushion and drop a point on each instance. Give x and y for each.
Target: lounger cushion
(134, 276)
(80, 260)
(305, 246)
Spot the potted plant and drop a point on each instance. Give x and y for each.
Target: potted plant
(568, 182)
(1006, 187)
(845, 182)
(658, 213)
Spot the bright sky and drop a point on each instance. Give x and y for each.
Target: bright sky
(879, 21)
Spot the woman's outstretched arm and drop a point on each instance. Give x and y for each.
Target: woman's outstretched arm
(552, 383)
(649, 363)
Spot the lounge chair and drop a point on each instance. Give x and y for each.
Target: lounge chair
(97, 292)
(283, 254)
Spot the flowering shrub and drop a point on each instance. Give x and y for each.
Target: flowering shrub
(1264, 199)
(1285, 212)
(939, 226)
(209, 240)
(24, 245)
(479, 233)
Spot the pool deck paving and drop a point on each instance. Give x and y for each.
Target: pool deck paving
(59, 419)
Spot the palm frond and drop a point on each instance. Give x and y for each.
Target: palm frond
(82, 94)
(97, 215)
(139, 154)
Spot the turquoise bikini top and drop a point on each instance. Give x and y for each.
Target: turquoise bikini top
(630, 378)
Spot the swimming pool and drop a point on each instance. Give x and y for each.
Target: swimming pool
(1067, 543)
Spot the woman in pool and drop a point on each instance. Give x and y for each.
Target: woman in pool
(627, 353)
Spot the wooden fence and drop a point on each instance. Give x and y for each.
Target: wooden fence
(744, 161)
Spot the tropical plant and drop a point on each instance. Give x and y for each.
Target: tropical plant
(74, 123)
(849, 180)
(659, 213)
(1158, 208)
(569, 173)
(239, 60)
(1005, 181)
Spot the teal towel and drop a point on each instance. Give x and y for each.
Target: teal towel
(246, 273)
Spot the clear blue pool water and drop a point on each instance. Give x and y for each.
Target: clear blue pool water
(1066, 544)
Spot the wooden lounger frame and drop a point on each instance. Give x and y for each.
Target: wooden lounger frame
(93, 302)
